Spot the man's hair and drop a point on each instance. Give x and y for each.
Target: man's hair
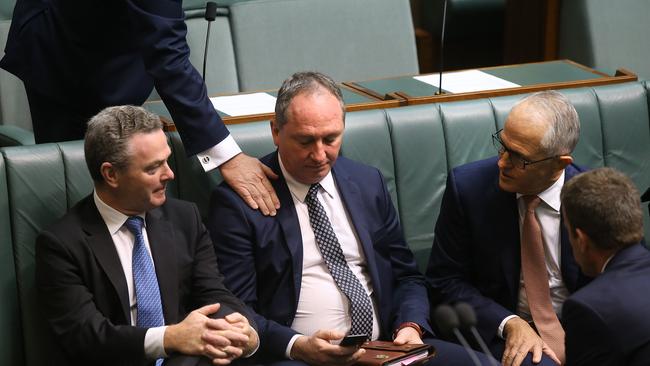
(557, 111)
(108, 135)
(303, 82)
(605, 204)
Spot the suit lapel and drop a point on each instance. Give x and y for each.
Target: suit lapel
(351, 195)
(289, 223)
(102, 246)
(161, 241)
(508, 239)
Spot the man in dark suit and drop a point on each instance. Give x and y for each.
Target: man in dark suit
(607, 321)
(479, 253)
(115, 294)
(77, 57)
(286, 268)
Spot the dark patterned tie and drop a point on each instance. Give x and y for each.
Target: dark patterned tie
(330, 249)
(147, 293)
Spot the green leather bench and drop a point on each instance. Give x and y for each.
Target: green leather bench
(413, 146)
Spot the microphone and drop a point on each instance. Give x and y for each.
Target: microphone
(442, 46)
(468, 322)
(448, 323)
(210, 16)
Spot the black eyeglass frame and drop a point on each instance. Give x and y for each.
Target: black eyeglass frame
(502, 148)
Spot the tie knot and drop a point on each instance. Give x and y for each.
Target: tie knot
(134, 224)
(531, 202)
(313, 190)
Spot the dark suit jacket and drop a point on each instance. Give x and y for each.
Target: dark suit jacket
(476, 254)
(112, 52)
(607, 323)
(261, 256)
(83, 292)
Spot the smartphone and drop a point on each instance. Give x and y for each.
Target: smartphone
(351, 340)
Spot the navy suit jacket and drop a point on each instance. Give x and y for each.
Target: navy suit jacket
(607, 322)
(101, 53)
(476, 253)
(83, 293)
(261, 256)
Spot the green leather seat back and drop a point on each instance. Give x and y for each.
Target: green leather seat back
(14, 109)
(37, 191)
(468, 127)
(367, 140)
(77, 178)
(420, 153)
(11, 346)
(595, 34)
(275, 38)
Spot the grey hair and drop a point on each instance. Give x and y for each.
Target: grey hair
(303, 82)
(556, 110)
(108, 134)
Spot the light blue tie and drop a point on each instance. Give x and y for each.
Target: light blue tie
(147, 293)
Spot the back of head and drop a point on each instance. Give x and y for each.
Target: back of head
(604, 204)
(108, 134)
(303, 82)
(556, 110)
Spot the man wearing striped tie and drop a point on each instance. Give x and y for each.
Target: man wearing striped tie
(129, 276)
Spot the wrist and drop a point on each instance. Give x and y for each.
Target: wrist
(413, 325)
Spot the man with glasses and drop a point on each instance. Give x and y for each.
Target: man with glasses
(499, 244)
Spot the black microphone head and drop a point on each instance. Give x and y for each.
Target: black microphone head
(446, 319)
(466, 315)
(210, 11)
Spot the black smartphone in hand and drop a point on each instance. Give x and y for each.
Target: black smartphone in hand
(351, 340)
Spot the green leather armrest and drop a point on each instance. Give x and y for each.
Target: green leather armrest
(15, 136)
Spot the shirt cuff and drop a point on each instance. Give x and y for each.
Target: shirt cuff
(218, 154)
(256, 347)
(293, 339)
(154, 347)
(503, 325)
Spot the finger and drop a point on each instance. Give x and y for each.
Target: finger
(264, 198)
(209, 309)
(215, 352)
(215, 340)
(269, 187)
(246, 195)
(519, 358)
(550, 353)
(236, 317)
(537, 353)
(328, 334)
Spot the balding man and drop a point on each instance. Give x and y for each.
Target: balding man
(498, 241)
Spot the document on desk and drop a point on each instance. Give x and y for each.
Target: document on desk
(466, 81)
(244, 104)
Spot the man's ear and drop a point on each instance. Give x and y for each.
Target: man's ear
(565, 160)
(583, 240)
(275, 131)
(110, 174)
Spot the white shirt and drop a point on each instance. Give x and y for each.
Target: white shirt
(124, 242)
(548, 215)
(321, 304)
(218, 154)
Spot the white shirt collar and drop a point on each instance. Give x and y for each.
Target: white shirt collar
(113, 218)
(551, 196)
(300, 190)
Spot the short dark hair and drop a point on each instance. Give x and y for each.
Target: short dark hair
(605, 204)
(303, 82)
(108, 135)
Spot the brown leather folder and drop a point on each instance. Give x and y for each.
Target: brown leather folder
(381, 353)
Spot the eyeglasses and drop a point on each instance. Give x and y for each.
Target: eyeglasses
(514, 158)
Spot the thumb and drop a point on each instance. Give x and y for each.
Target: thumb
(329, 334)
(209, 309)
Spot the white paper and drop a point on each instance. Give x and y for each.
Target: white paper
(466, 81)
(244, 104)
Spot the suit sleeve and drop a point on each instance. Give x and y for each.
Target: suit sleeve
(234, 241)
(410, 301)
(161, 28)
(208, 285)
(588, 339)
(450, 265)
(68, 307)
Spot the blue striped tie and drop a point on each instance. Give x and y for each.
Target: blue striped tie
(147, 293)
